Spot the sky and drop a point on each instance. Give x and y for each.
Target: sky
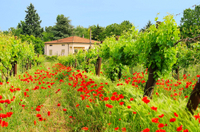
(92, 12)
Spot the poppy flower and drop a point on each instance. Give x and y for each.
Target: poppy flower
(160, 125)
(109, 106)
(131, 99)
(172, 120)
(161, 115)
(175, 114)
(128, 107)
(145, 100)
(155, 120)
(34, 122)
(154, 108)
(134, 112)
(146, 130)
(48, 113)
(85, 128)
(160, 130)
(116, 128)
(64, 109)
(121, 103)
(58, 104)
(179, 128)
(123, 129)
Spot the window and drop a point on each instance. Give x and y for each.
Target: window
(50, 52)
(50, 45)
(62, 52)
(63, 44)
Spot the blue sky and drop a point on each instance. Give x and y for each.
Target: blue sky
(93, 12)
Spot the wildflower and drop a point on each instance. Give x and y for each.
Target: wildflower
(160, 125)
(121, 103)
(180, 128)
(64, 109)
(154, 108)
(109, 106)
(116, 128)
(175, 114)
(85, 128)
(48, 113)
(161, 115)
(155, 120)
(172, 120)
(146, 130)
(145, 100)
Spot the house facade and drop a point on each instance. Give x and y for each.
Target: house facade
(66, 46)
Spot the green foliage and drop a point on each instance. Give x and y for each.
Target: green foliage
(12, 50)
(156, 47)
(190, 22)
(37, 42)
(52, 58)
(80, 31)
(32, 23)
(146, 27)
(63, 28)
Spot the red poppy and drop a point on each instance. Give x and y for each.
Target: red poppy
(64, 109)
(175, 114)
(160, 130)
(161, 115)
(38, 115)
(116, 128)
(109, 106)
(131, 99)
(155, 120)
(58, 104)
(34, 122)
(145, 100)
(128, 107)
(134, 112)
(160, 125)
(146, 130)
(180, 128)
(172, 120)
(121, 103)
(85, 128)
(123, 129)
(48, 113)
(186, 130)
(154, 108)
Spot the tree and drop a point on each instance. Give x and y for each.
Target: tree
(32, 23)
(48, 34)
(63, 28)
(146, 27)
(189, 25)
(37, 42)
(80, 31)
(97, 33)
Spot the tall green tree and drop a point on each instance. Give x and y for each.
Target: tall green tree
(48, 34)
(146, 27)
(32, 23)
(190, 22)
(97, 33)
(63, 27)
(80, 31)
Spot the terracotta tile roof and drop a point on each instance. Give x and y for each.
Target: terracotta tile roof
(72, 39)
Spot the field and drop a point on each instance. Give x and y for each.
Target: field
(52, 97)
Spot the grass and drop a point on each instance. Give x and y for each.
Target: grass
(86, 97)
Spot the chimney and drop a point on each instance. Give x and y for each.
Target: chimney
(83, 35)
